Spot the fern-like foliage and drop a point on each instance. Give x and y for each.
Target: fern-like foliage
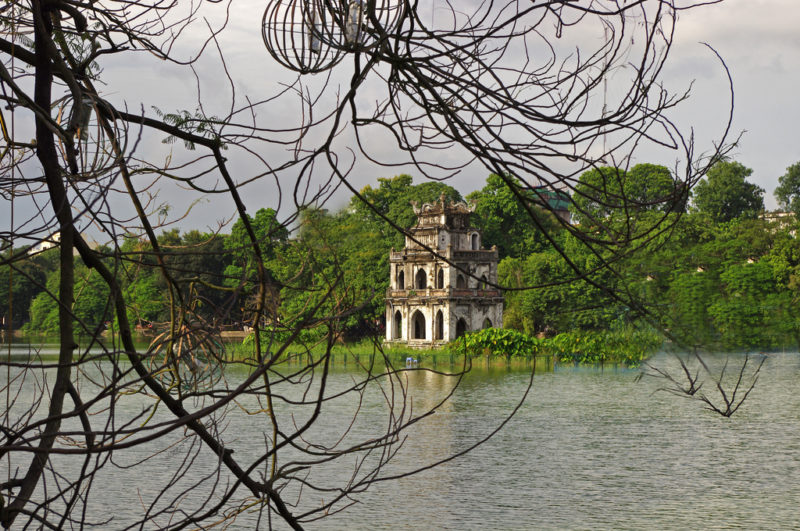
(197, 123)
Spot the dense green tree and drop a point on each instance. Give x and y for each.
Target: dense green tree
(90, 311)
(546, 309)
(726, 285)
(735, 242)
(606, 191)
(694, 277)
(143, 284)
(784, 257)
(192, 275)
(709, 281)
(685, 306)
(506, 221)
(725, 193)
(240, 272)
(270, 235)
(559, 302)
(652, 187)
(27, 278)
(197, 263)
(392, 199)
(788, 191)
(754, 310)
(338, 262)
(597, 195)
(147, 301)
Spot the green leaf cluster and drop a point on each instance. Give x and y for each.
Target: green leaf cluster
(510, 219)
(788, 191)
(497, 342)
(628, 346)
(725, 194)
(610, 192)
(22, 278)
(91, 308)
(723, 278)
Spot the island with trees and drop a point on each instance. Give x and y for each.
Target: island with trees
(723, 276)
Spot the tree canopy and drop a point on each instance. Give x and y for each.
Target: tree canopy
(510, 219)
(725, 193)
(392, 200)
(788, 191)
(609, 191)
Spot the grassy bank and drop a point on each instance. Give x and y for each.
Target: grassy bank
(490, 347)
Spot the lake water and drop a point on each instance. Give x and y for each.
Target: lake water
(591, 448)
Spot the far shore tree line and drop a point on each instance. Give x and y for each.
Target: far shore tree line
(726, 275)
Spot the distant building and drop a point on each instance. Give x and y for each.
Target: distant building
(47, 243)
(557, 201)
(780, 220)
(54, 240)
(440, 286)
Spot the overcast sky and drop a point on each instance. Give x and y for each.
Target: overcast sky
(760, 43)
(758, 39)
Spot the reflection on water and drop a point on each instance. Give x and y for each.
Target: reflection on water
(590, 449)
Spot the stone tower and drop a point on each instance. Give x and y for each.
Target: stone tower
(435, 297)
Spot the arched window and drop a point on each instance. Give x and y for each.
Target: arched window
(460, 282)
(487, 323)
(482, 283)
(440, 279)
(474, 241)
(397, 333)
(439, 333)
(461, 327)
(421, 279)
(401, 280)
(418, 321)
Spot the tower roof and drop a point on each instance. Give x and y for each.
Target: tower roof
(454, 214)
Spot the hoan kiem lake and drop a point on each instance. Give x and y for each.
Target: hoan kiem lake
(591, 448)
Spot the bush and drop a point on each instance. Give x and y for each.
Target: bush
(627, 346)
(497, 342)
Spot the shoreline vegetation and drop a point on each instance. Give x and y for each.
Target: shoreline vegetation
(494, 346)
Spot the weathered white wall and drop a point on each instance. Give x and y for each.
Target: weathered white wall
(426, 302)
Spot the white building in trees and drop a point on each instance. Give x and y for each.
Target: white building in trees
(442, 281)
